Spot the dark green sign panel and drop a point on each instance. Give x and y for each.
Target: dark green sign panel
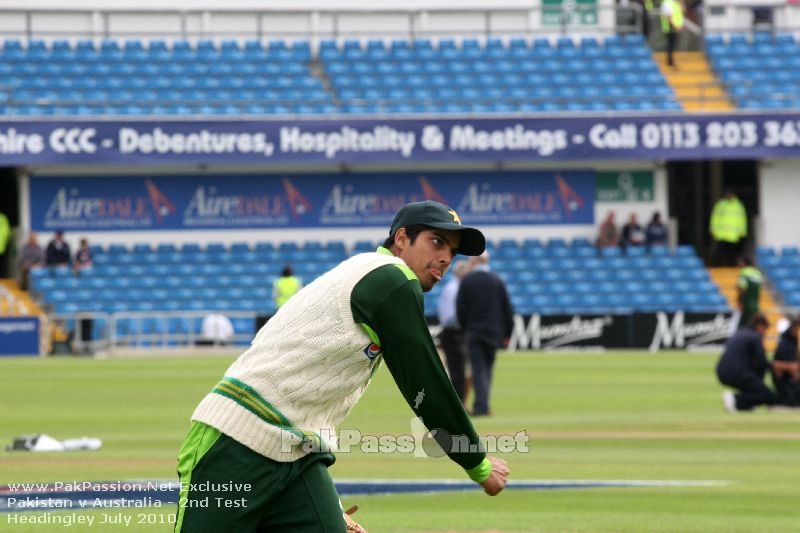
(634, 186)
(569, 12)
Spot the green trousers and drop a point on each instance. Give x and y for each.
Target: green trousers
(227, 487)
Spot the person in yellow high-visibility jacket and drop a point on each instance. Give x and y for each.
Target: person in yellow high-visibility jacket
(671, 25)
(728, 227)
(285, 286)
(5, 241)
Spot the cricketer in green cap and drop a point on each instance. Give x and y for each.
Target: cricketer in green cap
(269, 423)
(437, 215)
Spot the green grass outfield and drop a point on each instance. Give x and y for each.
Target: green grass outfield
(612, 416)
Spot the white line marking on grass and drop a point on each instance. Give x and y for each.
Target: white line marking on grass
(394, 486)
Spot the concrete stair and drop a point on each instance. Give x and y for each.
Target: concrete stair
(16, 302)
(726, 279)
(693, 81)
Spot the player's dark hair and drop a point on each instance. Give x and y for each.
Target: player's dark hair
(286, 272)
(412, 232)
(758, 319)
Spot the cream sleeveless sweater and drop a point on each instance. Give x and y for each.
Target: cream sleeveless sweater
(304, 371)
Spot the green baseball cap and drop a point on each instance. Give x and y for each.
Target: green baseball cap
(436, 215)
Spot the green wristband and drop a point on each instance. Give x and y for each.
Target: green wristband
(481, 473)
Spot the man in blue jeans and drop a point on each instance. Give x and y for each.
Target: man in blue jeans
(484, 311)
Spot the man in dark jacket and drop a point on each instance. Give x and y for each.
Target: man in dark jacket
(484, 311)
(786, 365)
(743, 365)
(58, 252)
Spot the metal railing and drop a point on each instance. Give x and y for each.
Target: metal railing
(143, 330)
(318, 24)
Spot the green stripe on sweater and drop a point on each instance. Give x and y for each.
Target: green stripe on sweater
(250, 399)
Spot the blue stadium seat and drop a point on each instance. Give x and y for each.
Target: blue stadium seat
(611, 41)
(229, 48)
(215, 248)
(610, 252)
(240, 247)
(376, 44)
(12, 44)
(541, 43)
(37, 48)
(277, 45)
(352, 45)
(60, 45)
(633, 39)
(564, 41)
(519, 43)
(190, 248)
(132, 45)
(252, 48)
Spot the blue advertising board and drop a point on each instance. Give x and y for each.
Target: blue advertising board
(19, 336)
(536, 138)
(119, 203)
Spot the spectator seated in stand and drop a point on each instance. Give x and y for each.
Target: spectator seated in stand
(608, 235)
(83, 256)
(31, 257)
(656, 232)
(632, 233)
(58, 252)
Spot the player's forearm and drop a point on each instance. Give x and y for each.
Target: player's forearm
(411, 357)
(424, 384)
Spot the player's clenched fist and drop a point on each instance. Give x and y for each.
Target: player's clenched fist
(497, 479)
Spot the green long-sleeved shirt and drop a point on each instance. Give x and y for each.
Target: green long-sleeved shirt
(390, 302)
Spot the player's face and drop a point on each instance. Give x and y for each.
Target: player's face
(430, 255)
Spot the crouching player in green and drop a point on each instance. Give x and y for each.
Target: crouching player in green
(245, 465)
